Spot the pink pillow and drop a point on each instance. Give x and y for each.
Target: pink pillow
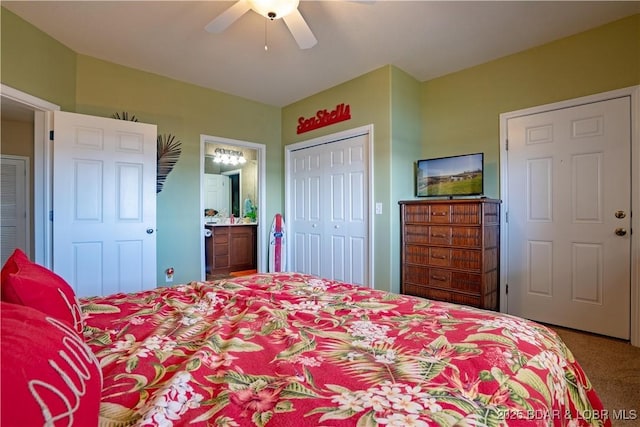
(30, 284)
(49, 375)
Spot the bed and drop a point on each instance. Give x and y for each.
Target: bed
(288, 349)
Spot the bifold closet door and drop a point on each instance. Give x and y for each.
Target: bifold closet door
(329, 228)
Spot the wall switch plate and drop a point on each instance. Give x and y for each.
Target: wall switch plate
(378, 208)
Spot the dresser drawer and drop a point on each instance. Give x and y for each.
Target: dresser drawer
(440, 214)
(441, 295)
(416, 254)
(439, 235)
(455, 258)
(455, 236)
(439, 257)
(455, 214)
(420, 275)
(416, 214)
(416, 233)
(466, 213)
(443, 279)
(443, 235)
(466, 236)
(467, 282)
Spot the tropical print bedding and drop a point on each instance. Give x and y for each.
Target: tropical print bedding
(290, 349)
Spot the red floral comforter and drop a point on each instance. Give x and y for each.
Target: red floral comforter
(295, 350)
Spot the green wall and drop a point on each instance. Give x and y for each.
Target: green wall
(40, 66)
(453, 114)
(406, 131)
(461, 110)
(369, 98)
(35, 63)
(186, 111)
(387, 98)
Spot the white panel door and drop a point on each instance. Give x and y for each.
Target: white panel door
(217, 193)
(330, 201)
(347, 210)
(569, 217)
(104, 200)
(13, 210)
(306, 226)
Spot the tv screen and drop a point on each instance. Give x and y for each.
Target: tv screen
(450, 176)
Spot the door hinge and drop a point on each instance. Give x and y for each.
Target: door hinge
(506, 217)
(506, 144)
(50, 215)
(506, 289)
(50, 135)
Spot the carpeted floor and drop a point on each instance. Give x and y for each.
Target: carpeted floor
(613, 366)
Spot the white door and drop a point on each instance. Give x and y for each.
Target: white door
(13, 200)
(104, 202)
(569, 217)
(329, 228)
(217, 193)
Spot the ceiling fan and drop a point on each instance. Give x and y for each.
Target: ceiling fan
(270, 9)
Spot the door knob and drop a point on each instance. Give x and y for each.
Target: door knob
(149, 230)
(620, 214)
(620, 231)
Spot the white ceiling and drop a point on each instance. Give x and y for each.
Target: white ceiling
(426, 39)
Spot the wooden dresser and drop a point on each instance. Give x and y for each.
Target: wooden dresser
(450, 250)
(230, 248)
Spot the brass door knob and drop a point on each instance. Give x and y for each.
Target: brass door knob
(621, 231)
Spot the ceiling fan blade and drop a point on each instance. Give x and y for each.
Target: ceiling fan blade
(228, 17)
(300, 30)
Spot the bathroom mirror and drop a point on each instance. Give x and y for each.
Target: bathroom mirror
(231, 181)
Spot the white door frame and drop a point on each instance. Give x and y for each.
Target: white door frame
(634, 93)
(42, 170)
(288, 208)
(261, 150)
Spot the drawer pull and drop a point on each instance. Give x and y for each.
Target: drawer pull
(439, 256)
(438, 213)
(440, 278)
(439, 235)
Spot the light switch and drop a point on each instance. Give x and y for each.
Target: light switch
(378, 208)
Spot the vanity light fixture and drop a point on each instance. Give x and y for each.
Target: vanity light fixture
(228, 157)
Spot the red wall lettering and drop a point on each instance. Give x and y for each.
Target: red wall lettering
(324, 118)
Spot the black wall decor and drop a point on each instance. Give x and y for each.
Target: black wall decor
(168, 151)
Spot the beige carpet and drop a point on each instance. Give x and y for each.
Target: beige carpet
(613, 366)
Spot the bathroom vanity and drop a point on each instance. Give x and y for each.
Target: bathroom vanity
(231, 247)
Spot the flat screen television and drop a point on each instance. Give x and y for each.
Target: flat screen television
(451, 176)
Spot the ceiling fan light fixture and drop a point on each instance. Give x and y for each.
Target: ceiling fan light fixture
(274, 9)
